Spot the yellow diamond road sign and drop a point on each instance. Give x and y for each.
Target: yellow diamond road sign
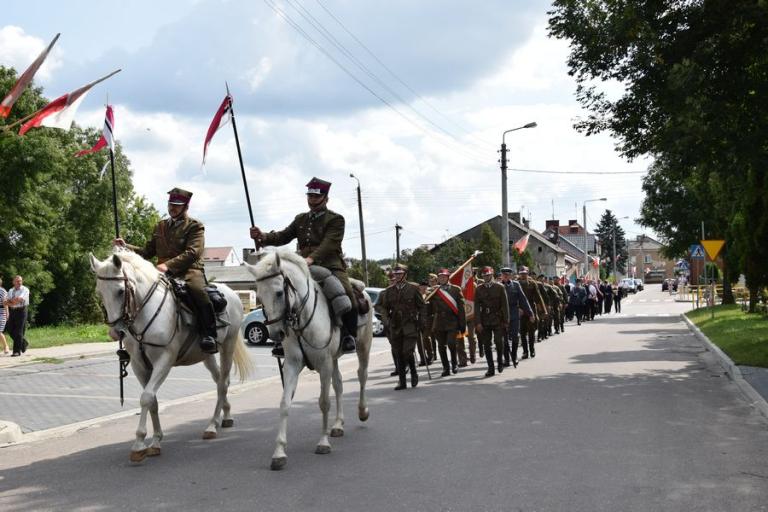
(713, 247)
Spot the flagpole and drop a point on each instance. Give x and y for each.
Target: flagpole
(461, 268)
(114, 193)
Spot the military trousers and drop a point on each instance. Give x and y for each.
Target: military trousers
(206, 318)
(497, 333)
(447, 339)
(403, 346)
(424, 346)
(528, 335)
(461, 347)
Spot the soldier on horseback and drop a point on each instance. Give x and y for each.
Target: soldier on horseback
(318, 233)
(178, 242)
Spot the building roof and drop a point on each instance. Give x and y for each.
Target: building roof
(234, 274)
(217, 253)
(645, 242)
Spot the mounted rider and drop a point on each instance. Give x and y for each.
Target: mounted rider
(318, 233)
(179, 242)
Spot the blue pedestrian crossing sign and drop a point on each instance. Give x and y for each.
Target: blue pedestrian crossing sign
(697, 251)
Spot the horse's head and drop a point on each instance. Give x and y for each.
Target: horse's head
(116, 288)
(272, 293)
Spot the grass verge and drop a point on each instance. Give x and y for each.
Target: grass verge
(54, 336)
(742, 336)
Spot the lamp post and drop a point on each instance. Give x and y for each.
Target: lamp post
(613, 237)
(504, 209)
(584, 209)
(362, 228)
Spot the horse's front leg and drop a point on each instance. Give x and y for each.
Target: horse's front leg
(148, 402)
(139, 447)
(363, 357)
(291, 374)
(326, 371)
(338, 390)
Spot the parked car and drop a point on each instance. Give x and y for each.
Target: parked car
(254, 329)
(639, 284)
(378, 326)
(628, 284)
(655, 276)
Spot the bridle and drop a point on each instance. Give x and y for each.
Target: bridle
(130, 311)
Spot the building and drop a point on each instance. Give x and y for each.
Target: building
(645, 255)
(548, 258)
(574, 255)
(220, 257)
(570, 238)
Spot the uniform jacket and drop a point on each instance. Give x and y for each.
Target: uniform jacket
(544, 296)
(403, 309)
(491, 305)
(531, 291)
(517, 300)
(443, 317)
(318, 236)
(578, 296)
(179, 245)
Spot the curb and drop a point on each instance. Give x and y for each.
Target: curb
(69, 357)
(754, 398)
(9, 433)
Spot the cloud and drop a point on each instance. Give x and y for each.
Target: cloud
(19, 49)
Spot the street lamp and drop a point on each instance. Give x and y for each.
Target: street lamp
(584, 209)
(362, 229)
(613, 237)
(504, 209)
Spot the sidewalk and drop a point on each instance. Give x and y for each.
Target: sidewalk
(64, 352)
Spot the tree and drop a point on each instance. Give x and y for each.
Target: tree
(58, 210)
(376, 276)
(452, 253)
(490, 245)
(420, 264)
(524, 259)
(693, 76)
(606, 229)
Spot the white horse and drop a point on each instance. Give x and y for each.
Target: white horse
(139, 304)
(299, 315)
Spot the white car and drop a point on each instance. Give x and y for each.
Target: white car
(254, 329)
(378, 326)
(628, 284)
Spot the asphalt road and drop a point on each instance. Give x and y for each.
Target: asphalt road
(625, 413)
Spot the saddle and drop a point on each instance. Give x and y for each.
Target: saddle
(181, 291)
(334, 292)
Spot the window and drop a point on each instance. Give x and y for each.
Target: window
(648, 258)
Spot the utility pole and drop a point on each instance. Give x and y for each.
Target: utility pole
(398, 227)
(362, 229)
(504, 209)
(614, 252)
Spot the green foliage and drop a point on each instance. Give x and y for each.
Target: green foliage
(523, 260)
(376, 276)
(452, 254)
(420, 264)
(606, 229)
(490, 244)
(743, 336)
(57, 210)
(54, 336)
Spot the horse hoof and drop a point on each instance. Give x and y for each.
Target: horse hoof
(228, 423)
(153, 451)
(209, 435)
(322, 449)
(139, 456)
(278, 463)
(337, 432)
(363, 415)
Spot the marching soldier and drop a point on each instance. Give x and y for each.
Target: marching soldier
(403, 312)
(491, 318)
(517, 303)
(425, 347)
(448, 319)
(179, 242)
(528, 323)
(554, 306)
(563, 302)
(543, 315)
(319, 233)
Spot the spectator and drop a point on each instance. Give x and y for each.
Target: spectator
(3, 317)
(18, 302)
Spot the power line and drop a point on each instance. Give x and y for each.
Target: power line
(538, 171)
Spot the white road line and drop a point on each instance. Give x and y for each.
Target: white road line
(46, 395)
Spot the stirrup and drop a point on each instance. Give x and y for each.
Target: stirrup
(208, 345)
(348, 344)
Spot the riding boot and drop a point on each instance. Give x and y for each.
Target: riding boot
(207, 321)
(414, 373)
(489, 359)
(499, 355)
(401, 374)
(513, 350)
(454, 358)
(349, 331)
(507, 352)
(444, 360)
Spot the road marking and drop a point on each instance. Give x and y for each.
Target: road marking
(642, 300)
(47, 395)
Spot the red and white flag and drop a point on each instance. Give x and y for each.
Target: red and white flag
(222, 117)
(60, 112)
(521, 244)
(595, 261)
(106, 139)
(24, 80)
(465, 279)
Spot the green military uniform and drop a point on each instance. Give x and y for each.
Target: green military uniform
(554, 307)
(544, 316)
(491, 321)
(564, 295)
(403, 312)
(179, 244)
(447, 323)
(528, 324)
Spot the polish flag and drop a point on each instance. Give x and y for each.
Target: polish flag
(24, 80)
(595, 262)
(222, 117)
(60, 112)
(465, 279)
(106, 139)
(521, 244)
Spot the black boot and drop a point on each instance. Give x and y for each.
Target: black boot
(414, 373)
(349, 331)
(489, 359)
(207, 320)
(499, 355)
(454, 359)
(444, 361)
(401, 376)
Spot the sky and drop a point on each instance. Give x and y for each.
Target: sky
(410, 97)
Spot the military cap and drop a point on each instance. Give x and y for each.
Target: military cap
(400, 269)
(523, 270)
(506, 270)
(444, 272)
(179, 196)
(318, 186)
(487, 270)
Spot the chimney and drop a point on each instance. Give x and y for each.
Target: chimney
(554, 224)
(248, 252)
(553, 230)
(526, 223)
(573, 226)
(515, 216)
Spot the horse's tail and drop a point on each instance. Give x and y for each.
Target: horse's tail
(242, 362)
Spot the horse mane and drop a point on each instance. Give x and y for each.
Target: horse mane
(142, 267)
(262, 266)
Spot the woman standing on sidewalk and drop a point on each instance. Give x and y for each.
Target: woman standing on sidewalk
(3, 316)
